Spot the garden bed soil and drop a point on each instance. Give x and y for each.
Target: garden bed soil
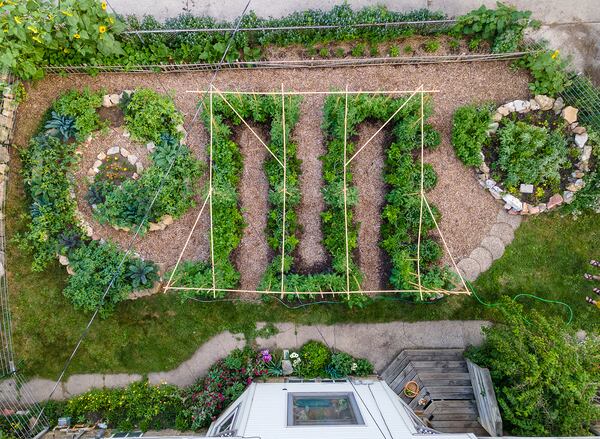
(113, 115)
(467, 212)
(367, 175)
(408, 46)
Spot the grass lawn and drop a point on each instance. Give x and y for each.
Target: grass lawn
(548, 258)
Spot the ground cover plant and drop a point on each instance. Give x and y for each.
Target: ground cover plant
(55, 227)
(145, 406)
(543, 375)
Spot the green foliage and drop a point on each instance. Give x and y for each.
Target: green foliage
(96, 266)
(46, 166)
(139, 405)
(530, 154)
(431, 46)
(543, 376)
(142, 273)
(582, 94)
(197, 274)
(588, 199)
(359, 50)
(502, 27)
(394, 51)
(469, 133)
(81, 106)
(324, 52)
(315, 357)
(548, 72)
(340, 365)
(363, 367)
(59, 125)
(34, 34)
(408, 49)
(150, 114)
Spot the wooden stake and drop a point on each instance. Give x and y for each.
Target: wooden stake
(422, 192)
(210, 194)
(284, 191)
(346, 192)
(229, 290)
(303, 93)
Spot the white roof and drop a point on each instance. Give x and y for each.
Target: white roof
(262, 412)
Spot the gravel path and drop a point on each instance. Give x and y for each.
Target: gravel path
(367, 171)
(468, 212)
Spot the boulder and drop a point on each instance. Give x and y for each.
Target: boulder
(106, 103)
(114, 99)
(503, 110)
(521, 106)
(568, 196)
(139, 167)
(497, 117)
(526, 189)
(570, 114)
(496, 192)
(513, 202)
(578, 130)
(533, 105)
(63, 260)
(126, 133)
(97, 164)
(534, 210)
(492, 128)
(558, 105)
(4, 155)
(167, 220)
(150, 146)
(490, 183)
(580, 139)
(132, 159)
(113, 150)
(101, 156)
(586, 154)
(554, 201)
(3, 168)
(484, 168)
(576, 186)
(124, 152)
(545, 102)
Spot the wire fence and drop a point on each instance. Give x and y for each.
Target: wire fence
(18, 406)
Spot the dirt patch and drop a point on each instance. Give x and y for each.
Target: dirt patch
(468, 212)
(367, 170)
(254, 201)
(113, 115)
(310, 255)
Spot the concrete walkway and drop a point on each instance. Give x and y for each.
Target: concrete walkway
(378, 342)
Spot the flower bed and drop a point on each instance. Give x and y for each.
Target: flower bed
(531, 154)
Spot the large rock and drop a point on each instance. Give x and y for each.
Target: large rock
(4, 155)
(526, 189)
(586, 153)
(570, 114)
(568, 196)
(503, 110)
(545, 102)
(113, 150)
(554, 201)
(533, 105)
(521, 106)
(106, 103)
(513, 202)
(558, 105)
(580, 139)
(63, 260)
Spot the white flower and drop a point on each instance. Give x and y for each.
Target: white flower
(294, 355)
(354, 367)
(296, 362)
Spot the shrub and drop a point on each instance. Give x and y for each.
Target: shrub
(81, 106)
(530, 154)
(96, 266)
(543, 377)
(59, 125)
(431, 46)
(359, 50)
(142, 273)
(198, 274)
(394, 51)
(503, 27)
(139, 405)
(548, 72)
(150, 114)
(73, 32)
(315, 357)
(469, 133)
(324, 52)
(340, 365)
(588, 199)
(408, 49)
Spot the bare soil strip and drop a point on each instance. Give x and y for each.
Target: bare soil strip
(367, 171)
(311, 256)
(253, 254)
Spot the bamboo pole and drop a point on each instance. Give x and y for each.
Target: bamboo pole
(422, 192)
(186, 243)
(346, 191)
(210, 194)
(231, 290)
(386, 122)
(331, 92)
(284, 192)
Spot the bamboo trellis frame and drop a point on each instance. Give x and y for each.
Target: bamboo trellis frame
(419, 287)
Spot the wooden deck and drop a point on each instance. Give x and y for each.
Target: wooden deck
(446, 401)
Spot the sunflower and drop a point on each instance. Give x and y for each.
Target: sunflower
(77, 36)
(103, 6)
(102, 29)
(555, 54)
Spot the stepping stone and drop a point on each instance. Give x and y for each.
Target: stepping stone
(469, 268)
(494, 245)
(503, 231)
(483, 257)
(512, 220)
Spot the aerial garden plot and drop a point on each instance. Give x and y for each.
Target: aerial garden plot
(179, 202)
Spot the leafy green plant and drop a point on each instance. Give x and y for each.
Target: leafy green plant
(340, 365)
(60, 125)
(431, 46)
(530, 154)
(166, 151)
(394, 51)
(548, 72)
(359, 50)
(469, 132)
(339, 52)
(142, 273)
(408, 49)
(150, 114)
(324, 52)
(502, 27)
(315, 357)
(454, 44)
(81, 106)
(373, 50)
(542, 374)
(35, 34)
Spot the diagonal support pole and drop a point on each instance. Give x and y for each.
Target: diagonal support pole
(210, 194)
(284, 191)
(346, 193)
(422, 196)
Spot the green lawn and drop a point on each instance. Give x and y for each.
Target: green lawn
(548, 257)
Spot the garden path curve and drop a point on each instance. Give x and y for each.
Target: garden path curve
(378, 342)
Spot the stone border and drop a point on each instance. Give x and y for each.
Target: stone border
(371, 341)
(492, 246)
(514, 205)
